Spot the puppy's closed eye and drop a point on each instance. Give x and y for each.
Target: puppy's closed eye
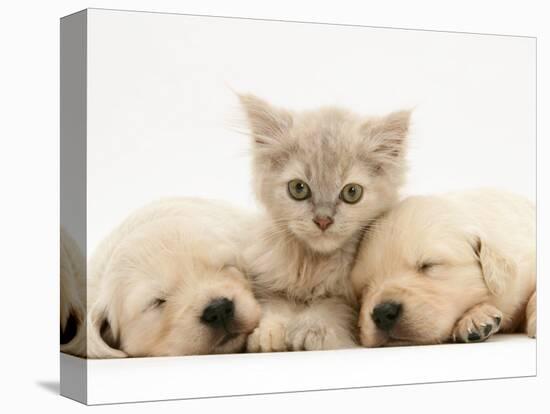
(156, 303)
(425, 267)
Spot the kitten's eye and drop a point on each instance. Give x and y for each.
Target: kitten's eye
(351, 193)
(298, 190)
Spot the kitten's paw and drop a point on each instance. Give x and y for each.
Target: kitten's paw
(477, 324)
(314, 336)
(305, 337)
(269, 336)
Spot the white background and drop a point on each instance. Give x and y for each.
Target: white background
(162, 116)
(29, 170)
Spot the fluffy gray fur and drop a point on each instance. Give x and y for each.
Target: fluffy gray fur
(301, 273)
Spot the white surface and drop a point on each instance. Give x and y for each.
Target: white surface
(29, 105)
(162, 114)
(148, 379)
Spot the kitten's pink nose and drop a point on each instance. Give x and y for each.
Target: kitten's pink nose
(323, 222)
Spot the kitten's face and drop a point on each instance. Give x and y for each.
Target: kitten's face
(323, 175)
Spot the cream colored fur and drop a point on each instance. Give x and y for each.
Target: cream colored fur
(481, 247)
(301, 273)
(72, 294)
(184, 252)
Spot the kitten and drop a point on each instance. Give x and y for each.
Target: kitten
(322, 177)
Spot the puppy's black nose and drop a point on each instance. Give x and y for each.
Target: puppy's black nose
(385, 315)
(218, 313)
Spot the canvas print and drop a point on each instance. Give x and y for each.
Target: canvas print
(239, 186)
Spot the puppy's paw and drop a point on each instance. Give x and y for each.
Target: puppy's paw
(532, 326)
(269, 336)
(531, 316)
(477, 324)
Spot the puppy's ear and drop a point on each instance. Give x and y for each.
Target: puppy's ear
(268, 124)
(72, 290)
(73, 335)
(102, 339)
(386, 139)
(497, 269)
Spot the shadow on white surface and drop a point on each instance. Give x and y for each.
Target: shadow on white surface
(50, 386)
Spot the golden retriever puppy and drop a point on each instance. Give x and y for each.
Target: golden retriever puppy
(72, 294)
(460, 266)
(168, 282)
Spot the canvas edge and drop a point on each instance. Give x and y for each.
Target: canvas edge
(73, 125)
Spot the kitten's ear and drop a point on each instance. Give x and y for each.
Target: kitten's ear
(386, 137)
(268, 124)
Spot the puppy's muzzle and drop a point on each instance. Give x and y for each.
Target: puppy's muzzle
(386, 314)
(219, 313)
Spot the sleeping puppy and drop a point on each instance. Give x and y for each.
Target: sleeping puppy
(167, 282)
(436, 268)
(72, 294)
